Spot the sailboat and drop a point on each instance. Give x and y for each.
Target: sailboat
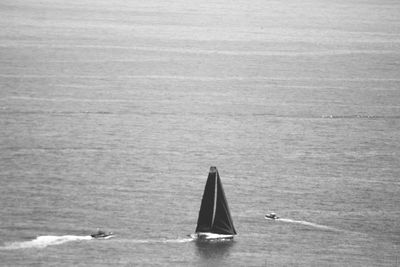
(215, 221)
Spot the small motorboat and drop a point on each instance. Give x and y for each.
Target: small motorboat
(102, 235)
(271, 216)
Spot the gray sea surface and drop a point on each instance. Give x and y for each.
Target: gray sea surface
(112, 112)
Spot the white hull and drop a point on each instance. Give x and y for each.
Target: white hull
(106, 236)
(211, 236)
(274, 219)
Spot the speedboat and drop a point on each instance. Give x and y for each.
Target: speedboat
(102, 235)
(271, 216)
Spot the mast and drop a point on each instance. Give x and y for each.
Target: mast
(215, 196)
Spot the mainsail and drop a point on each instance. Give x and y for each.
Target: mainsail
(214, 215)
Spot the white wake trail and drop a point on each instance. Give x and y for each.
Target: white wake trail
(181, 240)
(44, 241)
(161, 240)
(309, 224)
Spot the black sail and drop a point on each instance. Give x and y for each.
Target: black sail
(223, 223)
(204, 222)
(214, 215)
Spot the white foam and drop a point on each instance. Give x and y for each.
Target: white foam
(44, 241)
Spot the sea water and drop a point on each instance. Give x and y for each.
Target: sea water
(112, 113)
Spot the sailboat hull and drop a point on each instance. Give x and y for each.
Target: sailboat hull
(211, 236)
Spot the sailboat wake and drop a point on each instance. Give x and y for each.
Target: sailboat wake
(179, 240)
(319, 226)
(162, 240)
(44, 241)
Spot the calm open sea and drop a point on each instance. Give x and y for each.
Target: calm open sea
(112, 113)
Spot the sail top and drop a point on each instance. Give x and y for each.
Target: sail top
(213, 169)
(214, 214)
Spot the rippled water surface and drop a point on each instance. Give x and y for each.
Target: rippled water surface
(112, 113)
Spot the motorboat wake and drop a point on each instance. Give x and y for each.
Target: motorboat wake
(44, 241)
